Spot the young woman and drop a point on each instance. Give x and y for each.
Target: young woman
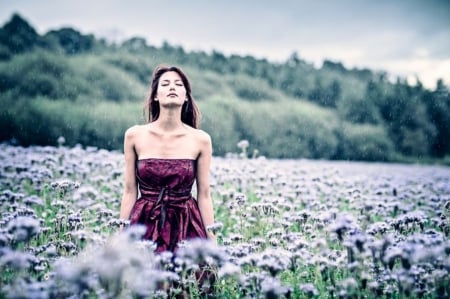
(163, 158)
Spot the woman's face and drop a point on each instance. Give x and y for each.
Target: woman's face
(171, 90)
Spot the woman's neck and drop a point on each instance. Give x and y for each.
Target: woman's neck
(169, 120)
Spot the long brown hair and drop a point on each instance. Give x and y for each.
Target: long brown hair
(190, 114)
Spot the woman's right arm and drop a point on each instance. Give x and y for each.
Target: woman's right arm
(130, 188)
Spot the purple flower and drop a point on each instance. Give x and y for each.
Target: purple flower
(23, 228)
(309, 289)
(17, 260)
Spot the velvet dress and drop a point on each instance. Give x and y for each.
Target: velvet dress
(165, 205)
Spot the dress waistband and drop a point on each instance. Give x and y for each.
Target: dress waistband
(152, 193)
(175, 197)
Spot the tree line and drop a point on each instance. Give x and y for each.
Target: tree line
(67, 83)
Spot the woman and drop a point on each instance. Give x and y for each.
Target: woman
(163, 158)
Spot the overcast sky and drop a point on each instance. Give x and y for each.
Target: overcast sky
(406, 38)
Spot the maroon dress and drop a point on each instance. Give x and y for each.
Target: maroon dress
(166, 205)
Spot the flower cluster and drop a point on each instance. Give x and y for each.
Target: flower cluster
(286, 229)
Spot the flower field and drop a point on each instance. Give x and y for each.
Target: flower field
(286, 229)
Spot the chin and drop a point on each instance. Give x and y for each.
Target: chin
(171, 105)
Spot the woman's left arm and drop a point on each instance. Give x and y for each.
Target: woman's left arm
(203, 189)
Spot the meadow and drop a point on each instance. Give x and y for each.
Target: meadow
(286, 229)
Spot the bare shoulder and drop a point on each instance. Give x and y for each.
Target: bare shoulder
(133, 131)
(201, 136)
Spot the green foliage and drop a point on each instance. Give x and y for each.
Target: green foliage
(285, 110)
(438, 107)
(72, 41)
(358, 110)
(42, 73)
(363, 142)
(42, 121)
(328, 96)
(18, 36)
(111, 83)
(290, 130)
(136, 65)
(5, 53)
(334, 66)
(39, 73)
(250, 89)
(217, 120)
(409, 126)
(7, 116)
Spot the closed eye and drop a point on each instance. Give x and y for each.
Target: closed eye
(167, 82)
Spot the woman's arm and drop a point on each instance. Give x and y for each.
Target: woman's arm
(130, 188)
(203, 189)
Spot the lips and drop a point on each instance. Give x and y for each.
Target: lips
(172, 95)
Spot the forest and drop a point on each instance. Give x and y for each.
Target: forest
(67, 84)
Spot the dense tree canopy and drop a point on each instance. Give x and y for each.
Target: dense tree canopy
(71, 84)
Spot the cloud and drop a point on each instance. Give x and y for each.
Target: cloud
(403, 37)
